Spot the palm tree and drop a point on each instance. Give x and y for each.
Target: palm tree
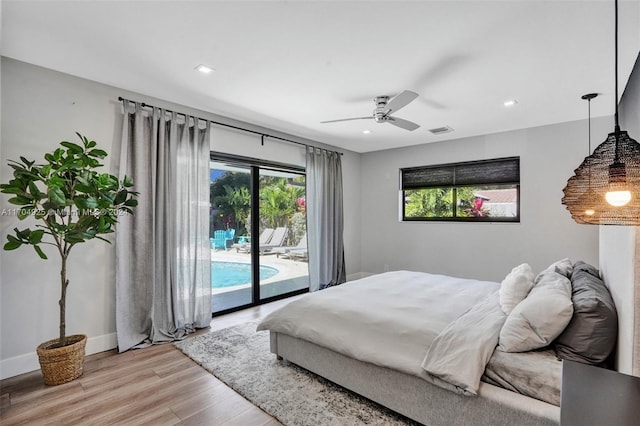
(237, 200)
(278, 201)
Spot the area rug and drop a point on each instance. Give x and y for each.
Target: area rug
(240, 357)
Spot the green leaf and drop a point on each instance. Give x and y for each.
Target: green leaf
(93, 163)
(98, 153)
(127, 182)
(84, 139)
(103, 239)
(13, 239)
(27, 162)
(33, 189)
(57, 154)
(80, 203)
(81, 187)
(36, 236)
(92, 203)
(45, 171)
(72, 147)
(40, 252)
(121, 197)
(57, 196)
(20, 201)
(73, 239)
(12, 245)
(131, 202)
(23, 214)
(7, 189)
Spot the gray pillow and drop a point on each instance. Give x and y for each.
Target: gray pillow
(591, 334)
(589, 269)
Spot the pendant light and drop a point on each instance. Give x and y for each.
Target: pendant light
(589, 201)
(607, 181)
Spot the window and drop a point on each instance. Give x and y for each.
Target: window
(475, 191)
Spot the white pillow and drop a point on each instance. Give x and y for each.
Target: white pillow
(539, 318)
(515, 287)
(563, 267)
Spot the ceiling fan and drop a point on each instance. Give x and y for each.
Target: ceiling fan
(384, 109)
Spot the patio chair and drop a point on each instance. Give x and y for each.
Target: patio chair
(229, 236)
(284, 251)
(277, 239)
(219, 240)
(264, 238)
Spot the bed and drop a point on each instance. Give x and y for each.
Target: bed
(403, 340)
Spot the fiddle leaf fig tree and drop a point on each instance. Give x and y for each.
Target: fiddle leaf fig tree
(71, 201)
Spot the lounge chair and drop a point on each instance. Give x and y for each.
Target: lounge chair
(299, 254)
(264, 238)
(284, 251)
(277, 240)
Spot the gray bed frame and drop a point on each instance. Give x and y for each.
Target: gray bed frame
(412, 396)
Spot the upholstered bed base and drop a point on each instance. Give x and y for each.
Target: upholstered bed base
(414, 397)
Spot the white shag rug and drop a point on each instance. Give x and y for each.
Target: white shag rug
(240, 357)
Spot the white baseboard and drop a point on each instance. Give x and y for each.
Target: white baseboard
(26, 363)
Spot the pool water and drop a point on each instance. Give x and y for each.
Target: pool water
(230, 274)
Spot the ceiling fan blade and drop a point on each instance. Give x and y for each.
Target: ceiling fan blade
(348, 119)
(403, 124)
(400, 101)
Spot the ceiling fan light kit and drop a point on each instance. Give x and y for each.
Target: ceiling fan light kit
(384, 107)
(605, 189)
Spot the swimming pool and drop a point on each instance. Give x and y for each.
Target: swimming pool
(230, 274)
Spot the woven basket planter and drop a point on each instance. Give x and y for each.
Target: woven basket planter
(62, 365)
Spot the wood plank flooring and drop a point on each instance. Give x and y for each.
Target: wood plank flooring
(153, 386)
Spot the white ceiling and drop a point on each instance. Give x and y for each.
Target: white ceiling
(287, 65)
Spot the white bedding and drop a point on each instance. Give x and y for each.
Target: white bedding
(402, 310)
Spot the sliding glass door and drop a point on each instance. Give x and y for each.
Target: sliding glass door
(230, 197)
(257, 232)
(283, 209)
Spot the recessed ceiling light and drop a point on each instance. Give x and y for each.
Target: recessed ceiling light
(510, 103)
(204, 69)
(366, 132)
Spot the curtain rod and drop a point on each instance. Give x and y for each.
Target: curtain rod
(262, 135)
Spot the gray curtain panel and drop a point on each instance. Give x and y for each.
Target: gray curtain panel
(163, 259)
(325, 221)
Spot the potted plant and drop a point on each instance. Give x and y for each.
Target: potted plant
(72, 203)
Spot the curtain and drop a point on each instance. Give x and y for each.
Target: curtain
(163, 259)
(325, 221)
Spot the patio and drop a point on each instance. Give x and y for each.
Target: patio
(292, 275)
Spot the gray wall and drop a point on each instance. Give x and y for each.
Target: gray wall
(546, 233)
(40, 108)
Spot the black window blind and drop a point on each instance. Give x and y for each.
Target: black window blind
(485, 172)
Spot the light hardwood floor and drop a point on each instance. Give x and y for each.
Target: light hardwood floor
(155, 386)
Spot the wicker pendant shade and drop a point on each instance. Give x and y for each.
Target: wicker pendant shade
(605, 189)
(585, 192)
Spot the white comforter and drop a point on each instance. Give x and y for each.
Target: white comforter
(390, 319)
